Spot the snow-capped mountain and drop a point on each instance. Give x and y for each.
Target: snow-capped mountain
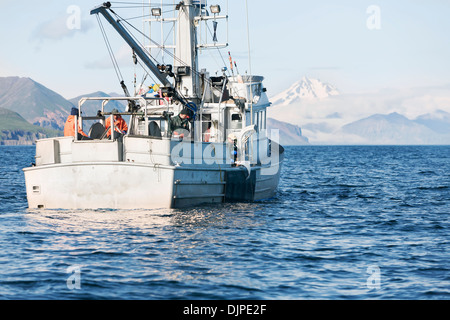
(304, 89)
(406, 116)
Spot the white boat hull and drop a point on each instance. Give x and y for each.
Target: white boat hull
(131, 185)
(98, 185)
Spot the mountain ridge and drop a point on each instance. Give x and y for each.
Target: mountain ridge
(305, 89)
(92, 106)
(329, 117)
(289, 134)
(394, 128)
(15, 130)
(34, 102)
(308, 103)
(38, 117)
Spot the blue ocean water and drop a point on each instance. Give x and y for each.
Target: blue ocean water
(348, 222)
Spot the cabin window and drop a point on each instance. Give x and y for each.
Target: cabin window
(255, 89)
(206, 127)
(236, 117)
(236, 121)
(259, 120)
(254, 92)
(164, 126)
(256, 120)
(262, 120)
(141, 127)
(265, 119)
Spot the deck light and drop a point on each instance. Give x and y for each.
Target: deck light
(156, 12)
(215, 8)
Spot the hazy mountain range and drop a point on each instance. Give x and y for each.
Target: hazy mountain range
(309, 111)
(289, 134)
(14, 129)
(30, 111)
(395, 128)
(92, 106)
(419, 116)
(34, 102)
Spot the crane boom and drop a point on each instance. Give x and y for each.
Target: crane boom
(131, 42)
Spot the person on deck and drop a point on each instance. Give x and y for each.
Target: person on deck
(180, 123)
(69, 127)
(120, 125)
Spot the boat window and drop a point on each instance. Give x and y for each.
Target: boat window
(164, 126)
(261, 120)
(219, 89)
(141, 127)
(206, 127)
(257, 89)
(255, 118)
(236, 121)
(236, 117)
(254, 92)
(264, 125)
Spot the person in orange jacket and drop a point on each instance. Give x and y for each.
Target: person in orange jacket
(69, 127)
(120, 124)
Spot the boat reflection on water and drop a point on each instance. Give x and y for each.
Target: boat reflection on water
(143, 249)
(146, 221)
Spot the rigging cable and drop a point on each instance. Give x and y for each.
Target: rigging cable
(110, 51)
(131, 103)
(157, 44)
(250, 77)
(119, 18)
(131, 34)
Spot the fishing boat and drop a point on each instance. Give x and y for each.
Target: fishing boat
(224, 152)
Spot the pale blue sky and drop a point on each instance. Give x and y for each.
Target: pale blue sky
(326, 39)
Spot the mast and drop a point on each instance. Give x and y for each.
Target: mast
(186, 61)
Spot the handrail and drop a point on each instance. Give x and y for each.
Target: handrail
(105, 100)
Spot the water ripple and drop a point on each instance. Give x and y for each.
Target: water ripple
(340, 212)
